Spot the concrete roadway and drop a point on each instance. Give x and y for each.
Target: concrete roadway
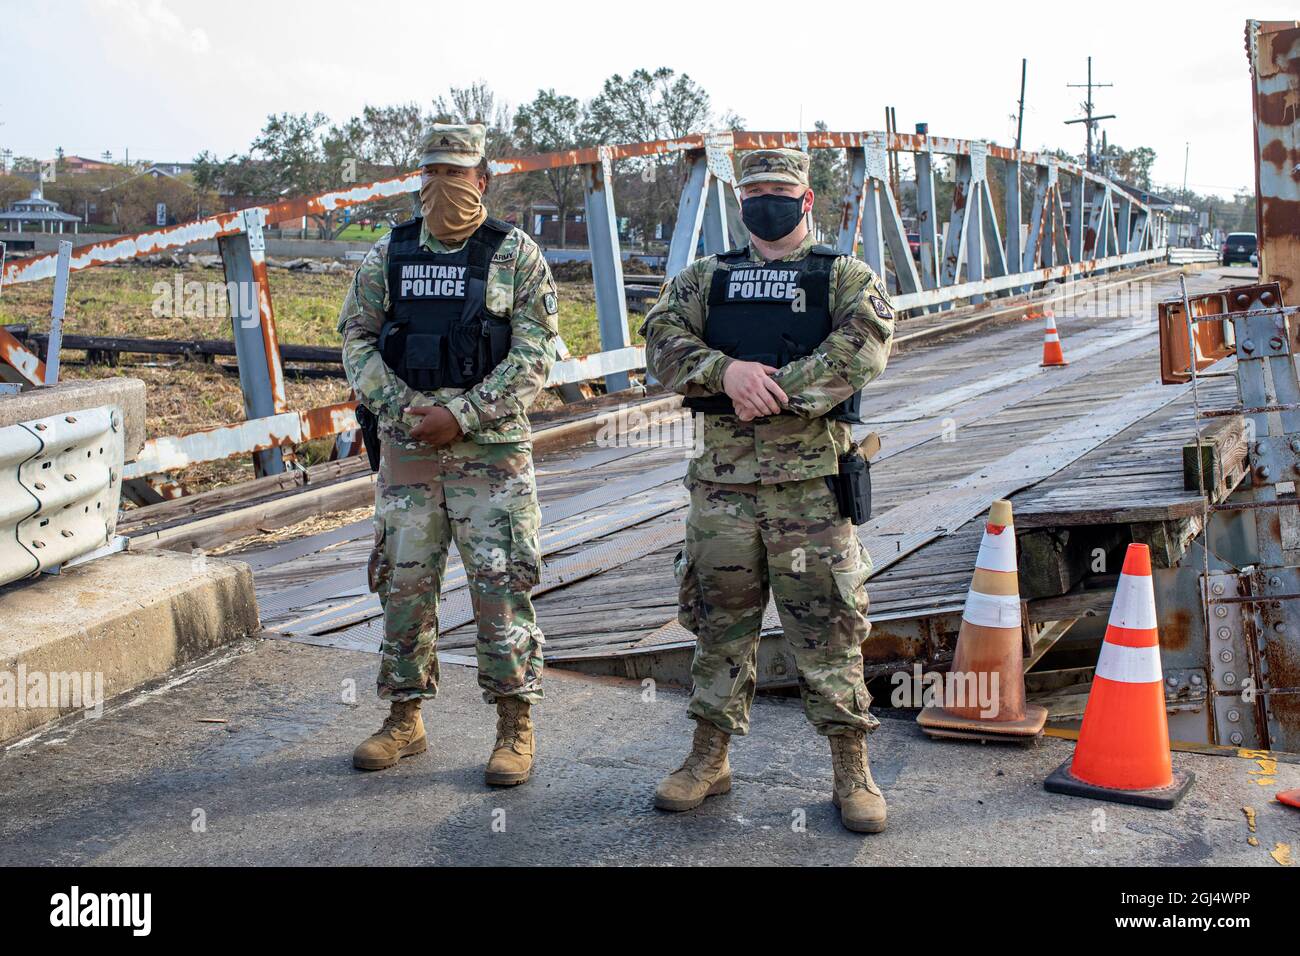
(150, 782)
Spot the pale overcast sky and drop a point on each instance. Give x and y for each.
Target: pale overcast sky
(170, 78)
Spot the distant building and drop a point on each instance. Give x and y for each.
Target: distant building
(543, 224)
(36, 209)
(74, 165)
(170, 170)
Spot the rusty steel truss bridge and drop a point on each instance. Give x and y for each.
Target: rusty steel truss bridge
(1079, 224)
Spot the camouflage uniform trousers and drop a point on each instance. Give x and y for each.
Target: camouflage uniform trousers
(484, 496)
(742, 539)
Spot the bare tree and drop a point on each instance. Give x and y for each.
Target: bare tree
(553, 122)
(646, 106)
(392, 134)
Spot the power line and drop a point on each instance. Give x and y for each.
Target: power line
(1020, 110)
(1089, 118)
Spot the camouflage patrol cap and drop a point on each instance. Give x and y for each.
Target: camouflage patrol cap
(456, 145)
(774, 166)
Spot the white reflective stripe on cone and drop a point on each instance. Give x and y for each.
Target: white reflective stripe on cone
(992, 610)
(1135, 603)
(997, 551)
(1053, 337)
(1129, 665)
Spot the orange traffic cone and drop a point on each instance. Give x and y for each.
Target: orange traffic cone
(1290, 797)
(1052, 354)
(989, 659)
(1123, 749)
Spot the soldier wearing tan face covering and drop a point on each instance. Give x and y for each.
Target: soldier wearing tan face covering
(452, 206)
(449, 334)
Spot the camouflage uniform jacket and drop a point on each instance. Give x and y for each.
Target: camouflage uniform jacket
(519, 285)
(780, 447)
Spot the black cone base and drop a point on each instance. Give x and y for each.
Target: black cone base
(1160, 798)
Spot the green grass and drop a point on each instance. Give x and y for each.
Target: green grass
(359, 233)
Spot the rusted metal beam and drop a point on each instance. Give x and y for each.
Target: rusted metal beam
(606, 262)
(1001, 283)
(1274, 51)
(21, 359)
(172, 453)
(257, 346)
(211, 228)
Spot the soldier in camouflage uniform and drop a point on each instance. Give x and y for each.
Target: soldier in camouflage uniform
(449, 332)
(770, 344)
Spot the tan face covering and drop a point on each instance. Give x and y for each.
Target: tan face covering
(452, 207)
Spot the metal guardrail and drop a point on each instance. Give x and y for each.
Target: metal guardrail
(60, 483)
(1180, 255)
(1105, 227)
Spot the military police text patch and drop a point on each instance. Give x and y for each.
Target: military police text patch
(882, 308)
(762, 285)
(422, 281)
(550, 304)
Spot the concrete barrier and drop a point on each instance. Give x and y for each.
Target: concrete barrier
(99, 629)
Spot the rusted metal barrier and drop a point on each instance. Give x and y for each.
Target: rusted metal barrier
(1107, 228)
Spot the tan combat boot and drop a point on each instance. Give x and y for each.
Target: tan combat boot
(402, 735)
(704, 773)
(862, 805)
(512, 757)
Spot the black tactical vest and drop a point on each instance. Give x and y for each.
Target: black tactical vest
(750, 317)
(438, 332)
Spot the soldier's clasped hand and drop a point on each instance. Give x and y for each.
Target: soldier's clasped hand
(752, 390)
(437, 426)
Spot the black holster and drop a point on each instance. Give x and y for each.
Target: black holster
(852, 487)
(369, 427)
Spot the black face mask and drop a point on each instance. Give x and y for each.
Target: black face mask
(770, 216)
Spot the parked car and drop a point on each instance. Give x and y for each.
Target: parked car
(914, 243)
(1238, 247)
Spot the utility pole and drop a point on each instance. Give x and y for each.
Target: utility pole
(891, 127)
(1020, 111)
(1088, 117)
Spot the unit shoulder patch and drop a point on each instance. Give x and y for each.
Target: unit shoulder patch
(550, 303)
(882, 308)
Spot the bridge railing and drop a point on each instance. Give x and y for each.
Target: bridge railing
(1079, 224)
